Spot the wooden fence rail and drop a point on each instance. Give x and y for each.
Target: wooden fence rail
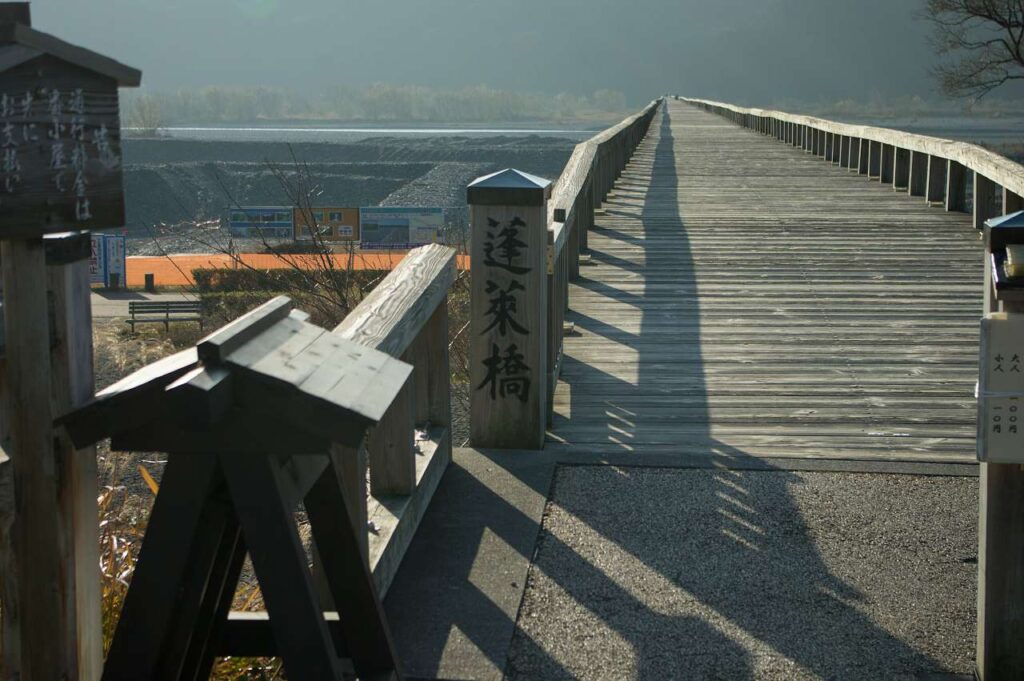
(405, 316)
(929, 167)
(588, 176)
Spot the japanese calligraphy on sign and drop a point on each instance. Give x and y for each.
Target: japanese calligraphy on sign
(60, 156)
(507, 375)
(1001, 389)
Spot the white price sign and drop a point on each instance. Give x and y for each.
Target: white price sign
(1001, 389)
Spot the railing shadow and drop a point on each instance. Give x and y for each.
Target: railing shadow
(758, 580)
(716, 544)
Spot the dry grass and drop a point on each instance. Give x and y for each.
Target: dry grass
(129, 482)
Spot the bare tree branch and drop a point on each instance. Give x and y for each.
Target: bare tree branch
(980, 41)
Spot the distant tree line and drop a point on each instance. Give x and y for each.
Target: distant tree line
(375, 103)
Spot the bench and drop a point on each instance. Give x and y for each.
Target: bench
(164, 311)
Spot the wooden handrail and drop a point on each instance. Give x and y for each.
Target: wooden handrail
(578, 171)
(999, 169)
(391, 316)
(929, 167)
(405, 316)
(543, 226)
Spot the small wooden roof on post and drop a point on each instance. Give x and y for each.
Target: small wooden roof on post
(268, 382)
(60, 132)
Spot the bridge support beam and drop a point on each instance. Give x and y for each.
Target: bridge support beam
(936, 183)
(918, 174)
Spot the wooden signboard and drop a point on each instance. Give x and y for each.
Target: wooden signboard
(60, 149)
(508, 322)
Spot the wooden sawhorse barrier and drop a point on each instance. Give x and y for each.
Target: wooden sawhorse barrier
(248, 419)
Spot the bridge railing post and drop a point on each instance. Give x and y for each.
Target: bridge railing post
(956, 184)
(874, 160)
(918, 174)
(999, 654)
(508, 308)
(888, 164)
(936, 184)
(1011, 202)
(901, 169)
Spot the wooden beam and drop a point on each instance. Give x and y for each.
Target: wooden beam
(391, 316)
(71, 357)
(40, 547)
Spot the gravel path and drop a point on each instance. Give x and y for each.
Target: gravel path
(698, 574)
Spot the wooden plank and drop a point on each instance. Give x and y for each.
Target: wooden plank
(217, 346)
(392, 315)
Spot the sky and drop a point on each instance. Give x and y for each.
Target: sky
(753, 52)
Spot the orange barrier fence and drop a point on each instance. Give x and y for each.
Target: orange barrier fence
(176, 270)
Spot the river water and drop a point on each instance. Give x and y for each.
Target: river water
(349, 134)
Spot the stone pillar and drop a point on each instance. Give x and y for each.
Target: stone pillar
(508, 310)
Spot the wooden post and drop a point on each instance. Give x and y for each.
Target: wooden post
(73, 386)
(864, 157)
(888, 162)
(509, 315)
(918, 174)
(956, 184)
(936, 182)
(1011, 202)
(901, 169)
(38, 542)
(984, 200)
(1000, 653)
(874, 160)
(390, 445)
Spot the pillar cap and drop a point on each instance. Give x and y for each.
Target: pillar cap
(508, 187)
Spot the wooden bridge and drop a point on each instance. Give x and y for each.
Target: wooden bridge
(744, 297)
(704, 287)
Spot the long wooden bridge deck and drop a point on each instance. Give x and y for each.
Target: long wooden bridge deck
(745, 297)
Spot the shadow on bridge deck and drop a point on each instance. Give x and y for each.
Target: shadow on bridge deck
(712, 571)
